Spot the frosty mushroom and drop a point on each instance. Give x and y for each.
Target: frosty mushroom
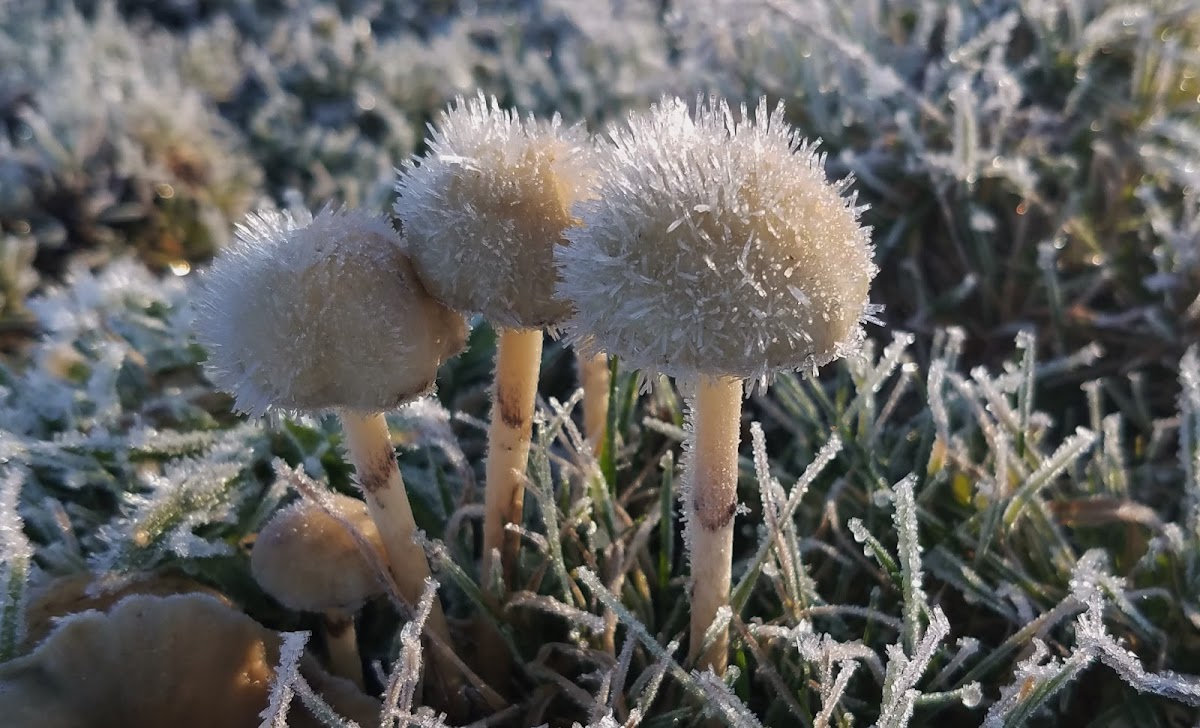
(186, 661)
(483, 212)
(308, 561)
(325, 313)
(715, 251)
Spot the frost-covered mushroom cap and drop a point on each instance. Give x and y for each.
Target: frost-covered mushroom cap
(484, 210)
(181, 661)
(716, 246)
(311, 314)
(309, 562)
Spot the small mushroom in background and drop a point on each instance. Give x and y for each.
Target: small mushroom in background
(482, 214)
(307, 560)
(715, 251)
(324, 313)
(185, 661)
(87, 591)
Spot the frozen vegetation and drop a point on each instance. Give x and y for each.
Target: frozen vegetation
(988, 515)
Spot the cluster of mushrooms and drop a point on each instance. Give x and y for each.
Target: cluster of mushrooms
(704, 244)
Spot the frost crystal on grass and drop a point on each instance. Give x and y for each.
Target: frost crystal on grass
(16, 559)
(287, 673)
(160, 520)
(401, 689)
(1189, 434)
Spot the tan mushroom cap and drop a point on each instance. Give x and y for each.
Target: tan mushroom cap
(86, 591)
(309, 562)
(314, 314)
(184, 661)
(485, 209)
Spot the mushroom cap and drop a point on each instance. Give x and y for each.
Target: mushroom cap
(87, 591)
(186, 661)
(484, 210)
(716, 246)
(308, 314)
(307, 561)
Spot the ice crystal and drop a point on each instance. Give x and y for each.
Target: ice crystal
(715, 246)
(160, 516)
(400, 695)
(16, 561)
(287, 673)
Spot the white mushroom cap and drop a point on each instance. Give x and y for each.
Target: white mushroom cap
(484, 210)
(184, 661)
(309, 562)
(715, 246)
(316, 313)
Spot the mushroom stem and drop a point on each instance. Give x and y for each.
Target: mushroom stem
(711, 505)
(518, 361)
(594, 376)
(342, 642)
(370, 447)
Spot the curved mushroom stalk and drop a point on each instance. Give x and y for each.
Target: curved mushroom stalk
(370, 447)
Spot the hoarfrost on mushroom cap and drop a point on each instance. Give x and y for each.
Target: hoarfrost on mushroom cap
(315, 313)
(485, 209)
(307, 560)
(716, 246)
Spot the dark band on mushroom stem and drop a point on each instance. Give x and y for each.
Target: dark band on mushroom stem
(337, 626)
(378, 469)
(711, 514)
(509, 402)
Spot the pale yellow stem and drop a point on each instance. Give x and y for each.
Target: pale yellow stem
(518, 363)
(712, 504)
(370, 447)
(595, 377)
(341, 640)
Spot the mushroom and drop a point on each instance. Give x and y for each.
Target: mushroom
(321, 313)
(307, 560)
(715, 251)
(183, 661)
(482, 214)
(86, 591)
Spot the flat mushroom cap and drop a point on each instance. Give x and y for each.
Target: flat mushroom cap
(87, 591)
(716, 246)
(308, 314)
(309, 562)
(184, 661)
(484, 210)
